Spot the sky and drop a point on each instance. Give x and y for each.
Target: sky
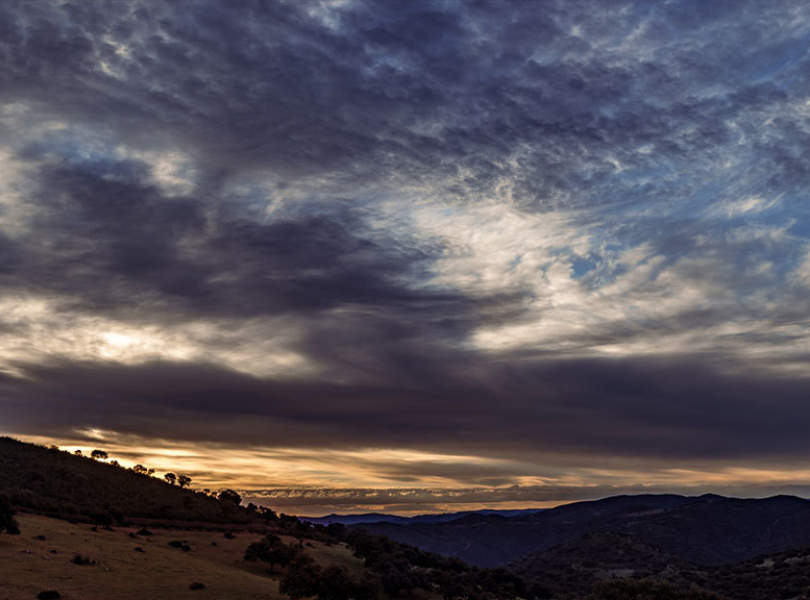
(345, 255)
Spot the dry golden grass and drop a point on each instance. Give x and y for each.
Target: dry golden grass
(28, 565)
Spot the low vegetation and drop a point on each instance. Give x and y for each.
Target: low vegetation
(7, 521)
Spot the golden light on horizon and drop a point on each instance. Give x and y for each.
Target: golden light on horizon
(307, 478)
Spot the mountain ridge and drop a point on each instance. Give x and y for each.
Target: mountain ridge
(356, 519)
(707, 529)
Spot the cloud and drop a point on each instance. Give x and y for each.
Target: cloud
(558, 232)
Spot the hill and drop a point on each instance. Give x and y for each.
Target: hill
(705, 530)
(611, 564)
(56, 483)
(577, 566)
(426, 518)
(41, 559)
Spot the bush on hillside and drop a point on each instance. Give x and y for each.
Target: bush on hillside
(272, 551)
(302, 578)
(181, 545)
(7, 521)
(305, 579)
(629, 589)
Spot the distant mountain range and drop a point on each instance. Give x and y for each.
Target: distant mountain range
(704, 530)
(368, 518)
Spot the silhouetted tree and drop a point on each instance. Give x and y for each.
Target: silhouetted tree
(334, 583)
(99, 455)
(368, 588)
(140, 469)
(282, 555)
(272, 551)
(115, 463)
(337, 531)
(170, 477)
(150, 472)
(77, 452)
(7, 521)
(230, 496)
(183, 480)
(268, 514)
(305, 578)
(302, 578)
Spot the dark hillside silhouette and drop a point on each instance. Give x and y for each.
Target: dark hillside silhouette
(60, 484)
(707, 530)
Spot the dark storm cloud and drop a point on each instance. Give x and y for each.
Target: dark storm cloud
(109, 236)
(657, 409)
(291, 202)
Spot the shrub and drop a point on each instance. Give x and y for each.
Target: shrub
(334, 583)
(7, 520)
(625, 589)
(83, 560)
(181, 545)
(197, 586)
(230, 497)
(271, 550)
(302, 579)
(49, 595)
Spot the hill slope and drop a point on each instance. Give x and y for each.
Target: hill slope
(52, 482)
(29, 565)
(708, 530)
(580, 568)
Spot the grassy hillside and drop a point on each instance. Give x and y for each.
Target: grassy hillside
(29, 565)
(57, 483)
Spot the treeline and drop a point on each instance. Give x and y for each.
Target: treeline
(395, 570)
(402, 569)
(170, 478)
(392, 569)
